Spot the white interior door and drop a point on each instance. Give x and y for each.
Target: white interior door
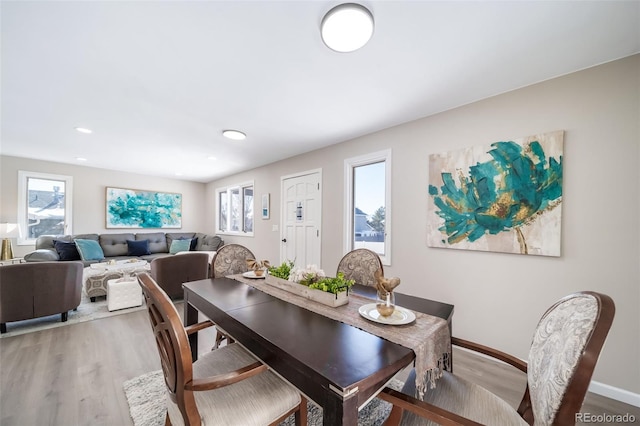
(301, 218)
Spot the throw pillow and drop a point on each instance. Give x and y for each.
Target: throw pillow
(194, 242)
(89, 249)
(179, 245)
(138, 248)
(66, 250)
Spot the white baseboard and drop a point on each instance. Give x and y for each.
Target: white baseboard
(615, 393)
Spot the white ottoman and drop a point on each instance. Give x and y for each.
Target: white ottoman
(123, 293)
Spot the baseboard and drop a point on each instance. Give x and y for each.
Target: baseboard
(615, 393)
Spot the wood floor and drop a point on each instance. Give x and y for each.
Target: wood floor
(73, 375)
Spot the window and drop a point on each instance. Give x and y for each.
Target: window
(235, 209)
(44, 205)
(368, 207)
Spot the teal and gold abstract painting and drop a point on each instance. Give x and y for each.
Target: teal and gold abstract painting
(504, 197)
(132, 208)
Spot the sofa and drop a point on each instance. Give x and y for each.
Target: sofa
(33, 290)
(93, 248)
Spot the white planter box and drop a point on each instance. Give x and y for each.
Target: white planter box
(319, 296)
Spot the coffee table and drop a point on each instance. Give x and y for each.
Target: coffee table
(97, 275)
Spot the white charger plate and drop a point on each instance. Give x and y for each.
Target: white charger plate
(400, 315)
(252, 274)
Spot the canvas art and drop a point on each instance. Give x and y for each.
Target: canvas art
(503, 197)
(132, 208)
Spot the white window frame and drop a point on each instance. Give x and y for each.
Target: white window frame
(349, 165)
(23, 218)
(228, 189)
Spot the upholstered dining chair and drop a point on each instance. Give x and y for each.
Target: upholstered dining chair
(563, 354)
(228, 386)
(170, 272)
(360, 265)
(230, 259)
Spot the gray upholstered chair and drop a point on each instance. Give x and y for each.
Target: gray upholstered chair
(40, 289)
(170, 272)
(223, 387)
(230, 259)
(565, 348)
(360, 265)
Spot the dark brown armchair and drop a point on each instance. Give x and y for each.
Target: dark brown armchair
(39, 289)
(225, 386)
(565, 348)
(170, 272)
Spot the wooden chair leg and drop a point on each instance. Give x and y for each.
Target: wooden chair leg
(394, 416)
(167, 420)
(301, 414)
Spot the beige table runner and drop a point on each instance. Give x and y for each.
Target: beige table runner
(427, 336)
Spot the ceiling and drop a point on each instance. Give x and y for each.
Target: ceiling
(158, 81)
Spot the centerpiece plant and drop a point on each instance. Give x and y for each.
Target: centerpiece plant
(312, 277)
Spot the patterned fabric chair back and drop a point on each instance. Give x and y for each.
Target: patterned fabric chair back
(563, 355)
(360, 265)
(230, 259)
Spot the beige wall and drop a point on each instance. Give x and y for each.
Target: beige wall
(89, 195)
(500, 297)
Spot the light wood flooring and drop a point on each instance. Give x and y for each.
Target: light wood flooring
(73, 375)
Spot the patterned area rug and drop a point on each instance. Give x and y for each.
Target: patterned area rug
(146, 397)
(87, 311)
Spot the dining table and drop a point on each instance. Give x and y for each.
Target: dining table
(338, 366)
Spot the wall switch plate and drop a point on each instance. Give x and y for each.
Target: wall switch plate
(274, 228)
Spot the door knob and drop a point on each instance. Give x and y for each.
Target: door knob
(284, 240)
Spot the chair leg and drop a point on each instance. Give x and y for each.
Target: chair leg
(3, 328)
(64, 316)
(301, 414)
(167, 420)
(394, 416)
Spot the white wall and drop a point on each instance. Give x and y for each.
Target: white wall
(89, 191)
(500, 297)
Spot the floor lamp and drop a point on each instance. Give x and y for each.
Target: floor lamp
(8, 231)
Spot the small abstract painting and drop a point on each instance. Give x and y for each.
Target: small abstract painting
(132, 208)
(504, 197)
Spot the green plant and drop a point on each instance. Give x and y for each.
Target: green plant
(281, 271)
(333, 285)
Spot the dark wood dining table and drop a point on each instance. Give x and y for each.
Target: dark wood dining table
(338, 366)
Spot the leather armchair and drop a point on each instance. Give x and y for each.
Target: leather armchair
(33, 290)
(170, 272)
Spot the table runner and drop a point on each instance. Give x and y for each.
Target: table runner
(427, 336)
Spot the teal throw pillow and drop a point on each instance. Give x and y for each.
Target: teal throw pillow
(179, 245)
(89, 249)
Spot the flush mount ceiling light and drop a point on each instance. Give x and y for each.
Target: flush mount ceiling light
(347, 27)
(236, 135)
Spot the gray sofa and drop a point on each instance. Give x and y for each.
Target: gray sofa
(120, 246)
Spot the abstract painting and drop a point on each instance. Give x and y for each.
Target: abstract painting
(132, 208)
(504, 197)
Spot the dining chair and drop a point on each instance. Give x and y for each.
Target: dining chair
(228, 386)
(230, 259)
(170, 272)
(360, 265)
(563, 354)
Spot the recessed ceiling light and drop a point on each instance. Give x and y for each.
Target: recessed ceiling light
(212, 158)
(81, 159)
(236, 135)
(84, 130)
(178, 173)
(347, 27)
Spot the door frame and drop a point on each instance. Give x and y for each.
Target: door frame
(282, 208)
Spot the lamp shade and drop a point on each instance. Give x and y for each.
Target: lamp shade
(10, 230)
(347, 27)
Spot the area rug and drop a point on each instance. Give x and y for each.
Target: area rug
(87, 311)
(146, 397)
